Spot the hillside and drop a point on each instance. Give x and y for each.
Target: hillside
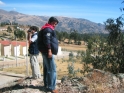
(65, 23)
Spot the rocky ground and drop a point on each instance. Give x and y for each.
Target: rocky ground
(27, 85)
(96, 81)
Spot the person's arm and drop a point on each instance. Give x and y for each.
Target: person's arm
(49, 53)
(47, 41)
(29, 37)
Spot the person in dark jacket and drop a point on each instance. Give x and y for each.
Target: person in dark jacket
(48, 46)
(33, 51)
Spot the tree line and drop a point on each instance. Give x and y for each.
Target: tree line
(61, 35)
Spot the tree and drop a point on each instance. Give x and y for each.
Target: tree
(108, 55)
(9, 30)
(74, 35)
(62, 35)
(59, 36)
(19, 34)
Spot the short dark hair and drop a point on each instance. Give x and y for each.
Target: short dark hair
(53, 19)
(34, 28)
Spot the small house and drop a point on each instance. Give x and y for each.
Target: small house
(5, 48)
(23, 48)
(15, 48)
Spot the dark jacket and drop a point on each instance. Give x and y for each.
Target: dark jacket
(33, 48)
(47, 40)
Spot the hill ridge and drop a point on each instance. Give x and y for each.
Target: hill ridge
(65, 23)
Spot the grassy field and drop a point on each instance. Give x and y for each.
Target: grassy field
(73, 47)
(61, 66)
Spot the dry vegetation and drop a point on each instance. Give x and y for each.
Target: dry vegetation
(61, 65)
(73, 47)
(61, 68)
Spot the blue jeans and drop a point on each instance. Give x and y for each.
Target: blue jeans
(49, 71)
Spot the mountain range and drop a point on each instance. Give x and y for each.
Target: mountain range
(65, 23)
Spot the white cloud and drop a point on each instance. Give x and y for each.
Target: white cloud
(1, 3)
(14, 9)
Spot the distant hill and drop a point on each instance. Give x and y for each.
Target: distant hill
(65, 23)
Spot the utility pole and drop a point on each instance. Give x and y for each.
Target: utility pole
(27, 67)
(16, 48)
(16, 52)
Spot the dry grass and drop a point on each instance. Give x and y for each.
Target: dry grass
(73, 47)
(61, 68)
(17, 70)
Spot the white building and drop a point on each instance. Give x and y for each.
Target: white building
(5, 48)
(59, 51)
(15, 47)
(23, 48)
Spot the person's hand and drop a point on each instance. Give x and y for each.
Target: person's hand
(29, 33)
(49, 53)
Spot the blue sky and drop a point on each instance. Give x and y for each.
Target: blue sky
(94, 10)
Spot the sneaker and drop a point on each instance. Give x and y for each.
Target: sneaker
(52, 91)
